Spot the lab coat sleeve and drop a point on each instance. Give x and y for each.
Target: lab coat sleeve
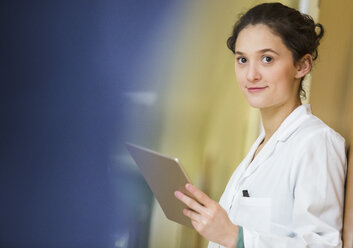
(318, 178)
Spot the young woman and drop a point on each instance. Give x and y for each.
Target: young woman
(288, 191)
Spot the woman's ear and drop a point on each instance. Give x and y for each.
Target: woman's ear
(304, 66)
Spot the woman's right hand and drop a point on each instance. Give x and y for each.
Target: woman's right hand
(208, 217)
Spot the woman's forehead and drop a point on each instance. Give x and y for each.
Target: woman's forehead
(257, 38)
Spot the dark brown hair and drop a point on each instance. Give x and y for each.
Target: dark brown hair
(297, 30)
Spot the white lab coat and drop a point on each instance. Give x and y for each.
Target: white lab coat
(295, 184)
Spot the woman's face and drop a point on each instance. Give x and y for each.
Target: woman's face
(264, 68)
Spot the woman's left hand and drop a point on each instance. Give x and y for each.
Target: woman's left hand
(208, 217)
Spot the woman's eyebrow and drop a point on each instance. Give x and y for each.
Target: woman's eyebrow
(260, 51)
(268, 50)
(238, 52)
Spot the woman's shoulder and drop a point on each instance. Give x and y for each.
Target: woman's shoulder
(316, 144)
(314, 130)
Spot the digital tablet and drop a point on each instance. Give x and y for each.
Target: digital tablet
(164, 175)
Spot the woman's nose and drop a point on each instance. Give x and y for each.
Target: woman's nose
(253, 73)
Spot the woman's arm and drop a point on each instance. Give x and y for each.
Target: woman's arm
(208, 217)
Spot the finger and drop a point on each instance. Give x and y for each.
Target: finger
(199, 195)
(193, 215)
(191, 203)
(195, 224)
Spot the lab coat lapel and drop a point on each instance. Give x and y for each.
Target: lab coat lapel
(248, 158)
(263, 155)
(238, 177)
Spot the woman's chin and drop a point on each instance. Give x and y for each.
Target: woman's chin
(257, 104)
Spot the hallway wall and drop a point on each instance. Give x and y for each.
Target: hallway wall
(332, 86)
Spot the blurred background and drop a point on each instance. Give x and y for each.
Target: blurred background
(80, 78)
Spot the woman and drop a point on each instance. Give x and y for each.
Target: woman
(288, 191)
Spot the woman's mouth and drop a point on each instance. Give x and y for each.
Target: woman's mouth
(256, 89)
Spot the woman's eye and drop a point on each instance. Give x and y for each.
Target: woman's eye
(267, 59)
(241, 60)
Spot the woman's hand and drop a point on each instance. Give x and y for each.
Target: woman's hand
(208, 217)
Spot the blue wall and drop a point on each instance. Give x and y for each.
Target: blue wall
(63, 66)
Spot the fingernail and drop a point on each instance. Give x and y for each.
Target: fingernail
(177, 194)
(188, 186)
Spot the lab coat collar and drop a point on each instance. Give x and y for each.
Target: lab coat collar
(292, 122)
(288, 127)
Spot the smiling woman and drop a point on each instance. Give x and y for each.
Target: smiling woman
(288, 191)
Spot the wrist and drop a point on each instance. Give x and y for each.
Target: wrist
(231, 238)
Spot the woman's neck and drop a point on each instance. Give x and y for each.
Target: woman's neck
(273, 117)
